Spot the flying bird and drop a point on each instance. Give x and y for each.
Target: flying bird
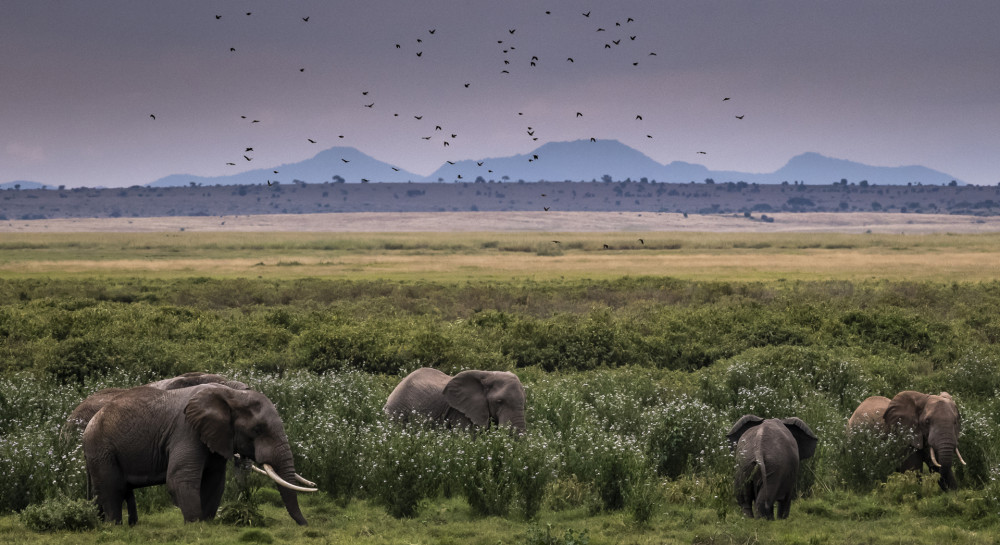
(249, 149)
(739, 116)
(306, 19)
(418, 117)
(364, 92)
(247, 158)
(479, 163)
(578, 114)
(725, 99)
(344, 160)
(152, 116)
(546, 208)
(432, 31)
(311, 141)
(592, 139)
(269, 183)
(639, 117)
(255, 121)
(437, 127)
(372, 105)
(231, 164)
(703, 153)
(396, 169)
(467, 85)
(450, 162)
(302, 69)
(606, 247)
(586, 14)
(426, 137)
(419, 53)
(643, 242)
(447, 144)
(570, 59)
(232, 49)
(217, 17)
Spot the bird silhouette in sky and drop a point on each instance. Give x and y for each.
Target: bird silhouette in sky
(739, 117)
(586, 14)
(306, 19)
(152, 116)
(217, 17)
(643, 242)
(231, 164)
(725, 99)
(479, 163)
(639, 117)
(578, 114)
(311, 141)
(247, 158)
(372, 105)
(546, 208)
(344, 160)
(703, 153)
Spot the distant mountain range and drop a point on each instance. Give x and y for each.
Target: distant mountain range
(580, 160)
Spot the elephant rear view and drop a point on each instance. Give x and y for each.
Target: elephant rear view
(767, 462)
(470, 398)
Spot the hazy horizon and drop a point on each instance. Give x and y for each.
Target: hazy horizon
(886, 84)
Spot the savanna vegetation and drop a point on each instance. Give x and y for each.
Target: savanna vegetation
(632, 383)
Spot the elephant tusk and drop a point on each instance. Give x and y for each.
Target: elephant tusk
(304, 480)
(258, 470)
(274, 477)
(959, 454)
(934, 459)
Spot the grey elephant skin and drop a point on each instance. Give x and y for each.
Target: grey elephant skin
(469, 399)
(182, 438)
(931, 422)
(81, 415)
(768, 453)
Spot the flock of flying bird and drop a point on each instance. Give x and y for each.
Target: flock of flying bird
(611, 36)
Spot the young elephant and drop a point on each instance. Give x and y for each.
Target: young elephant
(767, 462)
(183, 438)
(470, 398)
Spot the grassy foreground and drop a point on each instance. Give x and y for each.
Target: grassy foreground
(634, 371)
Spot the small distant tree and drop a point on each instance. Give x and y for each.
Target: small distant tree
(606, 178)
(863, 183)
(338, 179)
(709, 181)
(953, 183)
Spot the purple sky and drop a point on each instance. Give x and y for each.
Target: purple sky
(879, 82)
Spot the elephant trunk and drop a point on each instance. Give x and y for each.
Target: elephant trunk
(283, 473)
(516, 421)
(942, 455)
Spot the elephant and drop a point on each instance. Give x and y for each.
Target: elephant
(81, 415)
(469, 399)
(931, 422)
(182, 438)
(767, 462)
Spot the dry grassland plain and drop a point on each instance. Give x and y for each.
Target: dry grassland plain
(459, 246)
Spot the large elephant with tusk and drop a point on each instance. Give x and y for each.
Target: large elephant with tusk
(930, 421)
(182, 438)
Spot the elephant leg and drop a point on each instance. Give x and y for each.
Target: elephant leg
(784, 507)
(745, 494)
(765, 505)
(213, 484)
(184, 485)
(133, 514)
(109, 490)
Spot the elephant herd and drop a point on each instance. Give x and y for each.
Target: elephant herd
(181, 432)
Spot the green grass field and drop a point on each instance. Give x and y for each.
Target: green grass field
(636, 359)
(502, 256)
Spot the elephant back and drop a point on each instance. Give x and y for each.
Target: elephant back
(870, 413)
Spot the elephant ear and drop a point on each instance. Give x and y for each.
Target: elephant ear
(466, 393)
(745, 422)
(804, 436)
(903, 413)
(208, 412)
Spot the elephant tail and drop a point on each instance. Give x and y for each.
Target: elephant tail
(761, 467)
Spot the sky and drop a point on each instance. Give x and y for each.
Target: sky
(887, 83)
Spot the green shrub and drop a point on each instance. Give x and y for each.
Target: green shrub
(240, 505)
(680, 434)
(61, 513)
(869, 457)
(535, 536)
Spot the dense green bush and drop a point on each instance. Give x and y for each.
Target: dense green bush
(61, 513)
(631, 383)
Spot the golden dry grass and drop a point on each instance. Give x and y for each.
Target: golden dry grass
(824, 247)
